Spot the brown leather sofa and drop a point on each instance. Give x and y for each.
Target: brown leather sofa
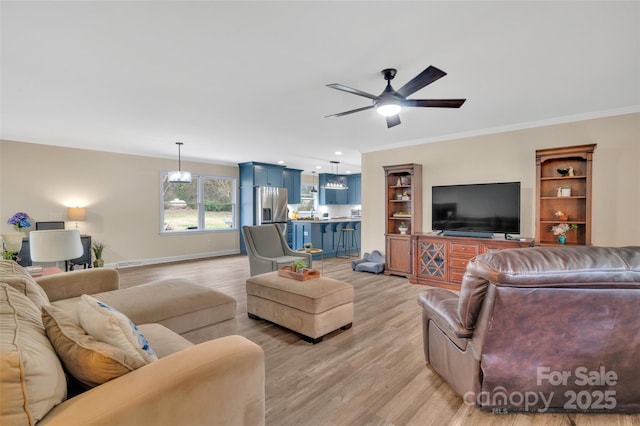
(543, 328)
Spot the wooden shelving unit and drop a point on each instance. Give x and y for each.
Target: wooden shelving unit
(403, 204)
(577, 206)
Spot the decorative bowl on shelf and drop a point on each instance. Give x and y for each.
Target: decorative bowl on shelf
(564, 172)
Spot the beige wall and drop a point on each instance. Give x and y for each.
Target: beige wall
(510, 156)
(120, 193)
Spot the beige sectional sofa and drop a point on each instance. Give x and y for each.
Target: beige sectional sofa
(219, 381)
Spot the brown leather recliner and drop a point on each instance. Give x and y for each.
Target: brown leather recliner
(542, 328)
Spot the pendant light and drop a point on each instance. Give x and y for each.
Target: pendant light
(313, 182)
(178, 176)
(335, 183)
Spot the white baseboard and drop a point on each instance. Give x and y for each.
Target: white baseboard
(154, 261)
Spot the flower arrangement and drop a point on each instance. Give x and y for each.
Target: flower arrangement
(562, 228)
(19, 220)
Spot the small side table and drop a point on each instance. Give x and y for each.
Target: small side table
(313, 251)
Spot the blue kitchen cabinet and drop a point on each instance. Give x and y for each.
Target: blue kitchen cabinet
(332, 196)
(292, 181)
(323, 234)
(268, 175)
(261, 174)
(355, 189)
(252, 175)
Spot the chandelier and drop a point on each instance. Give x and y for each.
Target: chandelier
(335, 183)
(179, 176)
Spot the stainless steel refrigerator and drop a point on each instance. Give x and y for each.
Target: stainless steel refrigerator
(271, 206)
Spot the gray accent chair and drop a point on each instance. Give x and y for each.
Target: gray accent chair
(268, 250)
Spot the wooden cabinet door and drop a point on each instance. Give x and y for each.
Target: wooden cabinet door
(398, 253)
(432, 260)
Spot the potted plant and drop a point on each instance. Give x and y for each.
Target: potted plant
(403, 228)
(307, 247)
(298, 265)
(97, 248)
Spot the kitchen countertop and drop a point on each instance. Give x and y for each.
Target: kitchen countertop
(332, 220)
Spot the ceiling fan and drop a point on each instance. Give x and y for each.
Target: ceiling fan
(390, 101)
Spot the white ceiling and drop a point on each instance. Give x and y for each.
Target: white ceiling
(245, 81)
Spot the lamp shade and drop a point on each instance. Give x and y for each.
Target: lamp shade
(55, 245)
(76, 213)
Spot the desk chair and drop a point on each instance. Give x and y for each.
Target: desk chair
(55, 246)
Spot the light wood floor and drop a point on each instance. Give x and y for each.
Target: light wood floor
(371, 374)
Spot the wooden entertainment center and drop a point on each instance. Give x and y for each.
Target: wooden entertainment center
(442, 260)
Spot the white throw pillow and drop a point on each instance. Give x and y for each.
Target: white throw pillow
(111, 326)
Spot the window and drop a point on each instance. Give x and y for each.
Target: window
(208, 203)
(307, 200)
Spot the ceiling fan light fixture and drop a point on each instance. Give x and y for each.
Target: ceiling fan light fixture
(388, 110)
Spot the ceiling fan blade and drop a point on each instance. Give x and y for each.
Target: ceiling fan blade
(436, 103)
(423, 79)
(340, 114)
(352, 90)
(393, 120)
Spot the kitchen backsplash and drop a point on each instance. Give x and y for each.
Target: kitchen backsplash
(334, 211)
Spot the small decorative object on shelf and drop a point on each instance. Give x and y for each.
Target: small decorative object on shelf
(564, 191)
(19, 220)
(563, 172)
(562, 216)
(561, 229)
(403, 228)
(405, 196)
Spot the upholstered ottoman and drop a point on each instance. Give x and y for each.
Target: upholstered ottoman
(312, 308)
(176, 303)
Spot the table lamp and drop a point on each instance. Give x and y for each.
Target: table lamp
(77, 214)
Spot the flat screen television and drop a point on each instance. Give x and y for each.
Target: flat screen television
(477, 210)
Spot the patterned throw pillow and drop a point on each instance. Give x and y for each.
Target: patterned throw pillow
(86, 358)
(111, 326)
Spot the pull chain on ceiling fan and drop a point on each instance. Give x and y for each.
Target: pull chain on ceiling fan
(390, 102)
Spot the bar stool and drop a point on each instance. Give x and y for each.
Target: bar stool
(347, 239)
